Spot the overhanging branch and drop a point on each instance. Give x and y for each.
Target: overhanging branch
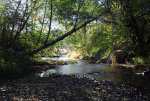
(65, 35)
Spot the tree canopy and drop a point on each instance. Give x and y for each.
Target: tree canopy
(95, 27)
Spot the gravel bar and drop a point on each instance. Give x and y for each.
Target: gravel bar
(75, 87)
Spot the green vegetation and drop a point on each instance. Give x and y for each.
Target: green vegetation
(99, 29)
(121, 36)
(57, 62)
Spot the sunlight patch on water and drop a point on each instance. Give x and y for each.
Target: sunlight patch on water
(63, 57)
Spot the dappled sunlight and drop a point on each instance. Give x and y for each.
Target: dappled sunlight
(75, 54)
(74, 50)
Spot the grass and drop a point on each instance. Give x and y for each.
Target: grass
(56, 62)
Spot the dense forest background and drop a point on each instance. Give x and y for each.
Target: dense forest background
(115, 30)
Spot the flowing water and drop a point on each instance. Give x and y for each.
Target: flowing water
(102, 71)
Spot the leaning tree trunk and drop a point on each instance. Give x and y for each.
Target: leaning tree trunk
(65, 35)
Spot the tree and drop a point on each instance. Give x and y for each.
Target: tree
(134, 14)
(75, 16)
(27, 26)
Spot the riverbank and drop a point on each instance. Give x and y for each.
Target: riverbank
(124, 65)
(73, 87)
(133, 66)
(34, 66)
(77, 87)
(41, 65)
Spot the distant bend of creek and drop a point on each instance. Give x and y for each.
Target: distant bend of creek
(106, 72)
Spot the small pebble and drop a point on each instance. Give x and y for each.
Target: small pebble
(75, 87)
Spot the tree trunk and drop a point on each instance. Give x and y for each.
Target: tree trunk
(65, 35)
(49, 30)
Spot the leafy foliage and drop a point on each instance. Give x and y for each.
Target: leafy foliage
(123, 29)
(99, 28)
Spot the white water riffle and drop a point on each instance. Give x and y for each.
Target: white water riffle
(48, 72)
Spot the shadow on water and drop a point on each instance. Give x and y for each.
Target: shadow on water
(105, 72)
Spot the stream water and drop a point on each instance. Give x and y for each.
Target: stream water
(102, 71)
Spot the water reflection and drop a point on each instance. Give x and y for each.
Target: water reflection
(106, 72)
(63, 57)
(90, 68)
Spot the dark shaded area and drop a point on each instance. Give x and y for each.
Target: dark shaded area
(81, 87)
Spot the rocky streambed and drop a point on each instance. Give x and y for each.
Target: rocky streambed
(75, 87)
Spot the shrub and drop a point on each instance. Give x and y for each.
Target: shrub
(138, 60)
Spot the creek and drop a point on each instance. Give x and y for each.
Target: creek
(106, 72)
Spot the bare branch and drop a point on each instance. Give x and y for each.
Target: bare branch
(49, 30)
(14, 23)
(110, 22)
(77, 18)
(25, 22)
